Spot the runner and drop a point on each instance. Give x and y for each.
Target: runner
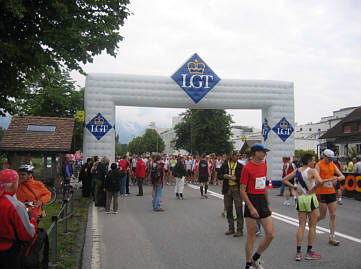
(326, 193)
(196, 169)
(307, 179)
(254, 193)
(203, 176)
(288, 168)
(188, 164)
(133, 164)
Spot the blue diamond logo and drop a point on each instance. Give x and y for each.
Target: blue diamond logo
(196, 78)
(283, 129)
(99, 126)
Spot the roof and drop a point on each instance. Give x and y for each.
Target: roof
(17, 138)
(248, 144)
(337, 131)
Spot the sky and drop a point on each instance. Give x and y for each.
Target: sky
(315, 44)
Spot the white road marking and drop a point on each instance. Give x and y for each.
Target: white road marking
(95, 258)
(289, 220)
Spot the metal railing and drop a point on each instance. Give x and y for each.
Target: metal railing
(63, 216)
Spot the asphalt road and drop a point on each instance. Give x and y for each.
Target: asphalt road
(190, 234)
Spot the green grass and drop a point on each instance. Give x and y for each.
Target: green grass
(70, 244)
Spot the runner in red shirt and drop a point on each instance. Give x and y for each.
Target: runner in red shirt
(254, 194)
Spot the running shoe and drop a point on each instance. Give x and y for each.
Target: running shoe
(115, 212)
(224, 214)
(205, 196)
(333, 241)
(339, 202)
(257, 264)
(286, 203)
(259, 233)
(108, 212)
(234, 216)
(298, 256)
(312, 256)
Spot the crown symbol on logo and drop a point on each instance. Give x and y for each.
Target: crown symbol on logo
(196, 67)
(99, 121)
(284, 124)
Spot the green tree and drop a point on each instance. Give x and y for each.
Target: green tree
(151, 141)
(53, 94)
(36, 35)
(136, 146)
(120, 149)
(300, 152)
(204, 131)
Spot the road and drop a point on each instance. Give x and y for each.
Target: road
(190, 234)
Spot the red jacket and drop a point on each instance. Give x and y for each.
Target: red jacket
(140, 169)
(15, 223)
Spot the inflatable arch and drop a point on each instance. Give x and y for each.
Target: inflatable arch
(103, 92)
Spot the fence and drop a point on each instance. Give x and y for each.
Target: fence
(63, 216)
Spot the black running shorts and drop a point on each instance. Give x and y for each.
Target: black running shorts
(260, 203)
(326, 198)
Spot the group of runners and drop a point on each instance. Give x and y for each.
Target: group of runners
(243, 180)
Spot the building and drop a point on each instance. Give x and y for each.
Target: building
(32, 136)
(308, 136)
(345, 136)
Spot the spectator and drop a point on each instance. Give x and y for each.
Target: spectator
(67, 168)
(112, 187)
(350, 165)
(101, 172)
(357, 166)
(157, 181)
(140, 173)
(31, 190)
(85, 178)
(15, 223)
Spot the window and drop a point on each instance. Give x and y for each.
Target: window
(310, 129)
(347, 129)
(41, 129)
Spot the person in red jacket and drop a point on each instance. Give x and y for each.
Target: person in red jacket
(140, 173)
(14, 219)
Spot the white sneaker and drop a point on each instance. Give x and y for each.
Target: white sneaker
(257, 264)
(286, 203)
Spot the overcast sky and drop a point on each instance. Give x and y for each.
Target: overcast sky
(315, 44)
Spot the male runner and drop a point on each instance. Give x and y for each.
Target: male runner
(254, 194)
(326, 193)
(203, 176)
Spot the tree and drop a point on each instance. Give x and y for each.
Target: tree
(136, 146)
(151, 141)
(53, 94)
(120, 149)
(36, 35)
(204, 131)
(300, 152)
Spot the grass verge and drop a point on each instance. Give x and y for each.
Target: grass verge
(69, 245)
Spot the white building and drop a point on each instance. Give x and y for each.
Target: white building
(307, 135)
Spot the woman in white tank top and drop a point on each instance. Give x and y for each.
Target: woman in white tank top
(307, 180)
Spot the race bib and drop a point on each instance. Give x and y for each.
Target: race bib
(260, 183)
(328, 184)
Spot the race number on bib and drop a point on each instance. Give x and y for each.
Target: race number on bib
(260, 183)
(328, 184)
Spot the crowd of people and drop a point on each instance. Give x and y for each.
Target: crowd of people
(242, 180)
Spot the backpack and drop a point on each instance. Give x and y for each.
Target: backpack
(156, 174)
(30, 251)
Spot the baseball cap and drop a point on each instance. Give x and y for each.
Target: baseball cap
(259, 147)
(329, 154)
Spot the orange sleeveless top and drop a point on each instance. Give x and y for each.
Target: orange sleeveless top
(327, 170)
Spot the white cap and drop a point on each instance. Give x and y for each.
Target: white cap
(329, 154)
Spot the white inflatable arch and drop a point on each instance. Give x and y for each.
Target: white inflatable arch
(103, 92)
